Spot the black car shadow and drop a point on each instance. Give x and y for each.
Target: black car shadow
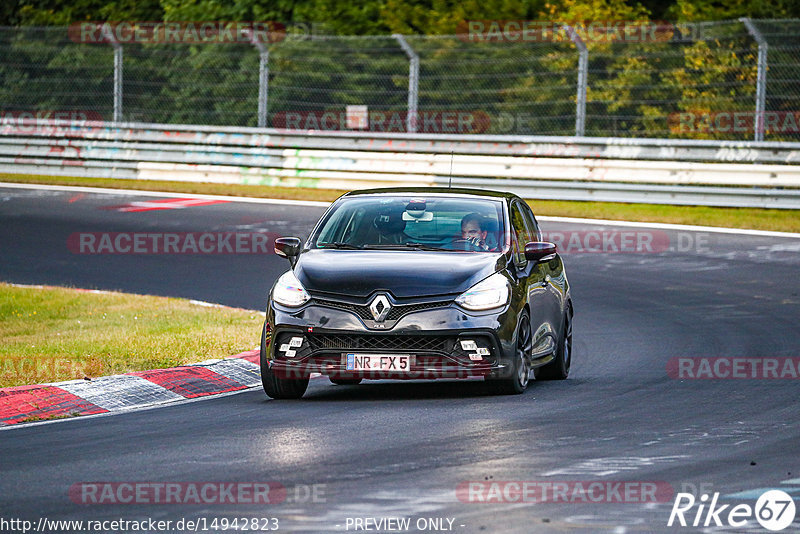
(398, 390)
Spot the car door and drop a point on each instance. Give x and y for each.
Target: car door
(555, 276)
(530, 277)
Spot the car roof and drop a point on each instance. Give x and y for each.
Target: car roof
(434, 190)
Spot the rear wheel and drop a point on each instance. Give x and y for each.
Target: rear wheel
(345, 381)
(275, 387)
(558, 369)
(521, 368)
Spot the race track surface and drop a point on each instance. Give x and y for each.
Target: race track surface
(402, 449)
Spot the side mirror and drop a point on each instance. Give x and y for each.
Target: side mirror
(537, 251)
(289, 248)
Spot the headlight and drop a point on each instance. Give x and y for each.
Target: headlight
(289, 291)
(490, 293)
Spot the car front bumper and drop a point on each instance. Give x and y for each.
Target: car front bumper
(317, 339)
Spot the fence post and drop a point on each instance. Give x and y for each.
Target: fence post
(583, 74)
(263, 76)
(413, 82)
(761, 78)
(109, 35)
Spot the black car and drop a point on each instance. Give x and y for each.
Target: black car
(419, 283)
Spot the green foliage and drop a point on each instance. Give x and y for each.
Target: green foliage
(60, 13)
(634, 89)
(443, 17)
(701, 10)
(360, 17)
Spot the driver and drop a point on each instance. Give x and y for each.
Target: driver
(473, 230)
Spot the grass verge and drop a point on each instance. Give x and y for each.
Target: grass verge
(51, 334)
(750, 218)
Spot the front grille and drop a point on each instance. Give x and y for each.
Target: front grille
(395, 313)
(399, 311)
(380, 343)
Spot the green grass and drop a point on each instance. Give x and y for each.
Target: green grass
(52, 334)
(38, 418)
(751, 218)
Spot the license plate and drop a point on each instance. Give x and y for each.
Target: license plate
(378, 362)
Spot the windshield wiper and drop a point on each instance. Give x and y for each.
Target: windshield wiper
(423, 246)
(400, 246)
(339, 244)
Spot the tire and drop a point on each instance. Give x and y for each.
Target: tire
(345, 381)
(518, 381)
(274, 387)
(558, 369)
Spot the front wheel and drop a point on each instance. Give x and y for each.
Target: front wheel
(521, 368)
(275, 387)
(558, 369)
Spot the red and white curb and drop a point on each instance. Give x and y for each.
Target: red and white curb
(23, 404)
(163, 204)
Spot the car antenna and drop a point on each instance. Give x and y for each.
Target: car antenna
(450, 181)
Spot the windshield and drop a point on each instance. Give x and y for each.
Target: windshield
(406, 222)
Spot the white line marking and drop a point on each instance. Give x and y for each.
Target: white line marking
(602, 467)
(666, 226)
(251, 200)
(136, 192)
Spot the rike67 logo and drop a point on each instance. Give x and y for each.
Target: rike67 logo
(774, 510)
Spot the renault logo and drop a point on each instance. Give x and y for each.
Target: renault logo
(380, 308)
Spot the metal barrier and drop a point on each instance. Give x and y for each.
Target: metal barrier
(713, 173)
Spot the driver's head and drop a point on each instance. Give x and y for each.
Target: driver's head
(471, 226)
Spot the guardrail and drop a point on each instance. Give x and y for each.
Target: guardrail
(714, 173)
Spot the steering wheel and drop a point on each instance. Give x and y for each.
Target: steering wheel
(460, 243)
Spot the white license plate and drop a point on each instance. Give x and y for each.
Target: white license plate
(378, 362)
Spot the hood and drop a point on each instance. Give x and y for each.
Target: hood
(403, 273)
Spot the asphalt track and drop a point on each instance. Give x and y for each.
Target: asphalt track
(395, 449)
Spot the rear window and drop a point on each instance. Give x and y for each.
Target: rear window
(406, 221)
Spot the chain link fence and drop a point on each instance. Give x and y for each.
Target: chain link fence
(693, 81)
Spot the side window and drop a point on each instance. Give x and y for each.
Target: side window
(519, 234)
(530, 220)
